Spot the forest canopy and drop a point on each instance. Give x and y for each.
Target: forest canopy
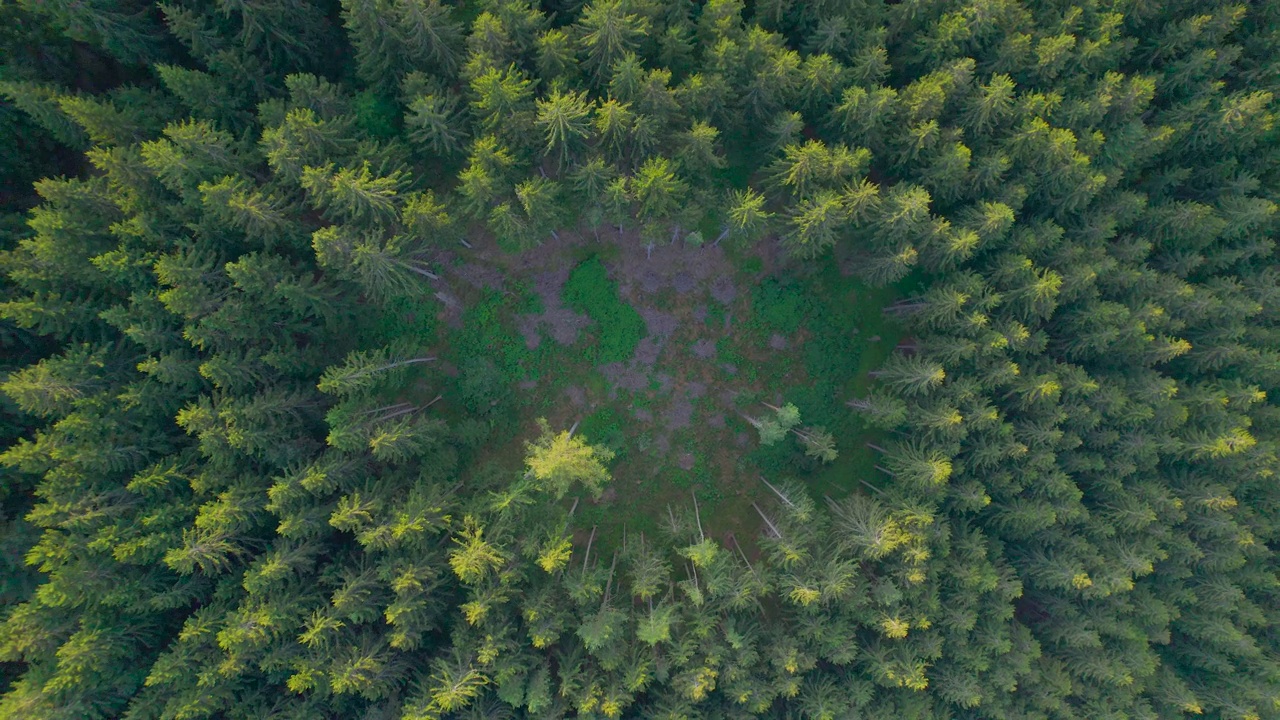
(681, 359)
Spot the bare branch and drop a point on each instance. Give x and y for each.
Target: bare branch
(608, 586)
(415, 269)
(772, 528)
(778, 492)
(743, 555)
(590, 540)
(697, 516)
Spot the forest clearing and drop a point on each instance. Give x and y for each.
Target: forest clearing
(675, 406)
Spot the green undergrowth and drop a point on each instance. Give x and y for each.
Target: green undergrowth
(403, 320)
(618, 327)
(606, 427)
(779, 305)
(488, 334)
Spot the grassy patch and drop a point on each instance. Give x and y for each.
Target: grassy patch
(619, 327)
(753, 265)
(837, 334)
(492, 357)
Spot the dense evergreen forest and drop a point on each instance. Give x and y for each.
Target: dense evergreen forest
(718, 359)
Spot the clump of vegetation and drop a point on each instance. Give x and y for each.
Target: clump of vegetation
(606, 428)
(403, 318)
(777, 306)
(618, 327)
(487, 336)
(481, 385)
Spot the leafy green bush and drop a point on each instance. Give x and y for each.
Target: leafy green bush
(779, 307)
(778, 459)
(604, 427)
(832, 352)
(619, 327)
(481, 385)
